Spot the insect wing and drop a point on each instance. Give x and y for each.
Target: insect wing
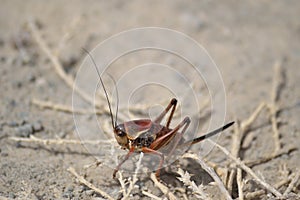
(135, 128)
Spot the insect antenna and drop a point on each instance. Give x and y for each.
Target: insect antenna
(106, 95)
(117, 109)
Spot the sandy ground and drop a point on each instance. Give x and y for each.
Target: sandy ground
(256, 46)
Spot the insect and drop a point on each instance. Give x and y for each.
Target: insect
(147, 136)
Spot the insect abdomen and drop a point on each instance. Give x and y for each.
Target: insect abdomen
(144, 141)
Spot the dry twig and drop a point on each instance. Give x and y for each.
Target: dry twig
(212, 173)
(248, 170)
(245, 125)
(163, 188)
(252, 195)
(59, 141)
(134, 178)
(152, 196)
(292, 183)
(278, 83)
(88, 184)
(240, 129)
(63, 108)
(239, 181)
(185, 177)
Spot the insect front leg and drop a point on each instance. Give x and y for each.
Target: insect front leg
(172, 105)
(122, 162)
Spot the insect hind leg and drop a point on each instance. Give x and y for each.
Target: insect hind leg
(172, 105)
(165, 139)
(185, 124)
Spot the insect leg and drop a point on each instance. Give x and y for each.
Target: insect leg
(172, 105)
(186, 122)
(148, 150)
(165, 139)
(207, 135)
(122, 162)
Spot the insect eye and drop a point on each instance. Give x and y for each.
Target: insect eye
(120, 132)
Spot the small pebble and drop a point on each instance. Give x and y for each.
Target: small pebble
(25, 130)
(13, 124)
(18, 84)
(70, 188)
(11, 195)
(37, 126)
(81, 188)
(12, 103)
(2, 59)
(67, 195)
(62, 134)
(4, 154)
(90, 192)
(31, 78)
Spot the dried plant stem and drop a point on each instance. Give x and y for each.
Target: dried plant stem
(248, 170)
(241, 128)
(257, 193)
(252, 195)
(185, 177)
(292, 183)
(230, 180)
(235, 149)
(152, 196)
(278, 83)
(239, 131)
(216, 178)
(274, 111)
(59, 141)
(69, 109)
(88, 184)
(134, 178)
(245, 125)
(163, 188)
(240, 184)
(63, 108)
(122, 183)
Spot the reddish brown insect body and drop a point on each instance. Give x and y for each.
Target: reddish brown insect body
(149, 136)
(144, 135)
